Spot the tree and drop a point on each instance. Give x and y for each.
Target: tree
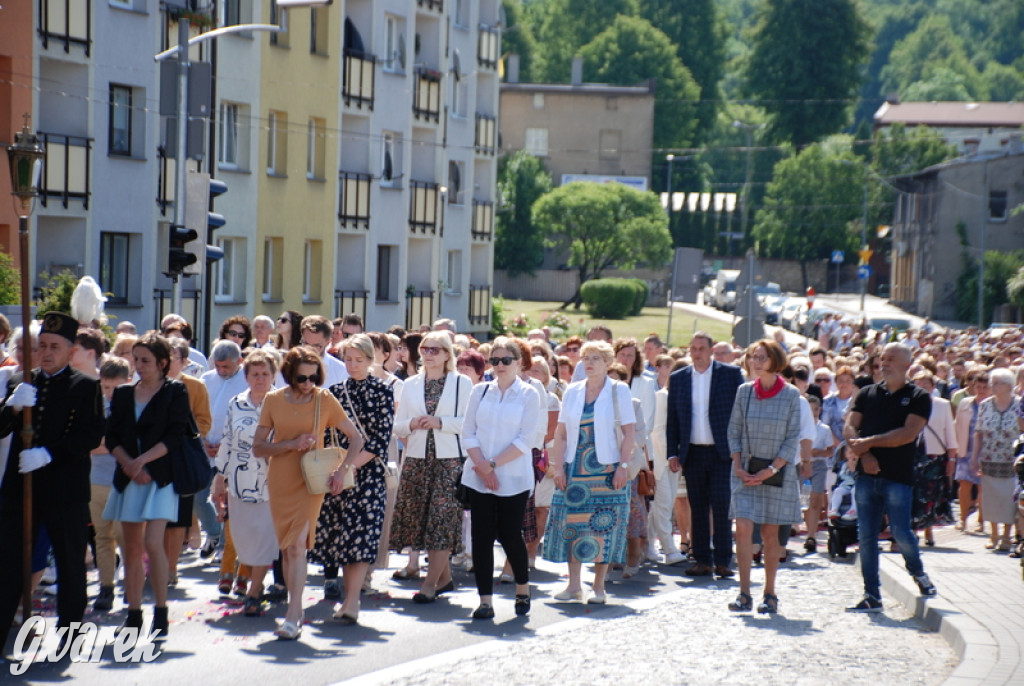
(603, 224)
(698, 32)
(811, 206)
(933, 60)
(518, 38)
(564, 26)
(631, 51)
(10, 281)
(897, 151)
(806, 66)
(518, 246)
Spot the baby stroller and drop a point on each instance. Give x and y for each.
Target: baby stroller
(842, 530)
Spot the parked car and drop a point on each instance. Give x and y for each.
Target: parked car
(724, 296)
(790, 312)
(894, 323)
(773, 306)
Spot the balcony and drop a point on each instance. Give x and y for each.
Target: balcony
(483, 220)
(486, 141)
(419, 308)
(65, 168)
(358, 79)
(423, 204)
(431, 4)
(354, 204)
(346, 302)
(487, 47)
(426, 94)
(66, 21)
(479, 304)
(164, 182)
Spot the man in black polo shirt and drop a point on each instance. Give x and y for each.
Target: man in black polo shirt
(882, 428)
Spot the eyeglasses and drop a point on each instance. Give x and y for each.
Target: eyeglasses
(573, 349)
(235, 334)
(430, 350)
(495, 361)
(312, 378)
(823, 379)
(758, 358)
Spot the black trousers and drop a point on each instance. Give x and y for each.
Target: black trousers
(68, 527)
(709, 488)
(496, 517)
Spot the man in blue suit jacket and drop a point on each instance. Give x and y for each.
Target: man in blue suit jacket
(700, 399)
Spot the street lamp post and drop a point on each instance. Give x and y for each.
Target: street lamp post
(668, 213)
(25, 156)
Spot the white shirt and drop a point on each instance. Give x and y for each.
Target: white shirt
(808, 429)
(606, 444)
(496, 420)
(221, 392)
(700, 394)
(822, 439)
(940, 422)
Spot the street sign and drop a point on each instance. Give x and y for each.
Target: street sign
(838, 257)
(864, 272)
(865, 255)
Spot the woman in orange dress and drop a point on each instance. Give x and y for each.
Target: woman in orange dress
(289, 413)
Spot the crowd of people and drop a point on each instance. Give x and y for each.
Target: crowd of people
(598, 452)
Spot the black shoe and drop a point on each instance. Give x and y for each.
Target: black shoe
(275, 593)
(447, 588)
(133, 620)
(867, 604)
(424, 599)
(253, 607)
(209, 548)
(332, 588)
(485, 612)
(769, 605)
(105, 599)
(522, 604)
(160, 623)
(925, 585)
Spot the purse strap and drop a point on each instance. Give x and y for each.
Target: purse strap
(938, 438)
(333, 431)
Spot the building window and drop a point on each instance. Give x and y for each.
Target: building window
(228, 153)
(387, 272)
(456, 185)
(453, 273)
(461, 14)
(391, 160)
(997, 206)
(537, 142)
(273, 258)
(312, 271)
(611, 143)
(460, 95)
(394, 44)
(279, 16)
(120, 134)
(232, 12)
(316, 148)
(277, 143)
(318, 24)
(114, 265)
(538, 101)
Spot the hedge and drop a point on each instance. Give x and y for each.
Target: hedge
(609, 298)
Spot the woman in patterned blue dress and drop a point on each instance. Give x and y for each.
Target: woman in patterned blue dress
(349, 529)
(590, 465)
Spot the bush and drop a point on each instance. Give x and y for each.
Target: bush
(55, 296)
(641, 296)
(10, 281)
(609, 298)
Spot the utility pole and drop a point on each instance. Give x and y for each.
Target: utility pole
(668, 213)
(180, 166)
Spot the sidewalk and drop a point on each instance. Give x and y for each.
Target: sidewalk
(979, 609)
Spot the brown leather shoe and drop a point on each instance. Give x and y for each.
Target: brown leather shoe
(723, 572)
(699, 569)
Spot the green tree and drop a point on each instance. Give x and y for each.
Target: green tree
(1003, 82)
(55, 296)
(806, 66)
(603, 224)
(698, 32)
(897, 151)
(564, 26)
(934, 56)
(10, 281)
(631, 51)
(812, 206)
(518, 246)
(518, 38)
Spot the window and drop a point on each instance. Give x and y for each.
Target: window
(273, 257)
(316, 148)
(114, 265)
(461, 14)
(386, 273)
(611, 142)
(229, 273)
(537, 142)
(453, 273)
(997, 206)
(460, 95)
(538, 101)
(228, 154)
(120, 133)
(391, 160)
(318, 25)
(456, 172)
(232, 12)
(312, 271)
(277, 143)
(394, 44)
(279, 16)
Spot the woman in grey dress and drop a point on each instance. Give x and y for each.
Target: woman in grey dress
(765, 423)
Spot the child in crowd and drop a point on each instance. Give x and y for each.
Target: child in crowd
(845, 487)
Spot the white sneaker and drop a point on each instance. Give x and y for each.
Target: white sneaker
(675, 558)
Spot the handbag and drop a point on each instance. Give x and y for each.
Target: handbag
(646, 484)
(191, 470)
(756, 464)
(390, 475)
(319, 463)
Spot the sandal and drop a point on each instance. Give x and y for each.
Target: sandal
(405, 575)
(288, 631)
(769, 605)
(743, 603)
(253, 607)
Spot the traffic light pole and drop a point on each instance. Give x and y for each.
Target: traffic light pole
(180, 166)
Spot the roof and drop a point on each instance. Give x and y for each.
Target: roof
(957, 114)
(582, 89)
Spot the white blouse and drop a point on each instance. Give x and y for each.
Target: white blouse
(496, 420)
(246, 474)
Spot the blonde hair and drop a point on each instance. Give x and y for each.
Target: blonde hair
(602, 348)
(444, 341)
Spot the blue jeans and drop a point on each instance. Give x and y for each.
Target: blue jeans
(207, 514)
(876, 496)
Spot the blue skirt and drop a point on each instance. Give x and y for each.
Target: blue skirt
(138, 503)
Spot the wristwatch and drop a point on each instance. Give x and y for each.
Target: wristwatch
(775, 470)
(493, 464)
(623, 465)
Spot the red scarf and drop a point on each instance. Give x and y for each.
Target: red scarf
(763, 394)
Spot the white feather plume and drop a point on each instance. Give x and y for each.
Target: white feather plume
(87, 302)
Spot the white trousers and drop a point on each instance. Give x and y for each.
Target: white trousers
(659, 519)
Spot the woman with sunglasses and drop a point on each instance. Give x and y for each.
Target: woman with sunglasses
(499, 433)
(430, 413)
(237, 329)
(286, 430)
(289, 332)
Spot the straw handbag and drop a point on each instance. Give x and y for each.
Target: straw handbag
(319, 463)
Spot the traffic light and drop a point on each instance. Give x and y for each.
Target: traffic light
(179, 257)
(214, 221)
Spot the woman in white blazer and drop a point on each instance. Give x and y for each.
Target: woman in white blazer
(429, 419)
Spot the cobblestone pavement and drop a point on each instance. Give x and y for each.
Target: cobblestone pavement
(689, 636)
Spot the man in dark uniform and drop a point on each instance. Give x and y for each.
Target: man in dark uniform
(68, 421)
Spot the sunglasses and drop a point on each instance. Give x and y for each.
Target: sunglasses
(236, 334)
(282, 319)
(302, 378)
(495, 361)
(430, 350)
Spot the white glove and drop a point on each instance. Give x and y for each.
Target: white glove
(32, 459)
(24, 395)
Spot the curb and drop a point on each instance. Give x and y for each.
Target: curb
(974, 644)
